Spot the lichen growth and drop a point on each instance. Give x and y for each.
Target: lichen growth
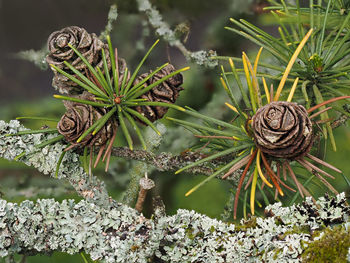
(47, 226)
(246, 224)
(35, 56)
(204, 58)
(112, 17)
(332, 246)
(45, 160)
(121, 234)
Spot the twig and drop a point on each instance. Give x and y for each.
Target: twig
(112, 17)
(163, 161)
(155, 19)
(340, 121)
(145, 185)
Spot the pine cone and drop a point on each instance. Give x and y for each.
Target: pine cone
(78, 118)
(167, 91)
(283, 129)
(89, 45)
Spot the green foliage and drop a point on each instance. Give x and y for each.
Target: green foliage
(119, 99)
(324, 62)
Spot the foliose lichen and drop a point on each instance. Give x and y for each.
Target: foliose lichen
(45, 160)
(120, 234)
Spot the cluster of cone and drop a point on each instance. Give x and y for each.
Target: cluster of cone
(79, 117)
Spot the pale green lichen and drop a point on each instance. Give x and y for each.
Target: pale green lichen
(45, 160)
(69, 227)
(111, 18)
(204, 58)
(36, 56)
(120, 234)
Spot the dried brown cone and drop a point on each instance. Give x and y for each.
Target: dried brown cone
(168, 91)
(283, 130)
(79, 117)
(89, 45)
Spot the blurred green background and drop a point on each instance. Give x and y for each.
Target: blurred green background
(25, 90)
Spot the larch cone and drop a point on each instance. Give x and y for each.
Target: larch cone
(283, 130)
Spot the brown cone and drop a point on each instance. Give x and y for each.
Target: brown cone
(89, 45)
(283, 130)
(167, 91)
(78, 118)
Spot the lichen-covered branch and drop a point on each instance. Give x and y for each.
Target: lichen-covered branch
(163, 161)
(121, 234)
(111, 18)
(35, 56)
(162, 29)
(45, 161)
(343, 118)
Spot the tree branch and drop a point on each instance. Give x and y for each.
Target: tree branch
(111, 18)
(163, 161)
(45, 161)
(340, 121)
(121, 234)
(162, 29)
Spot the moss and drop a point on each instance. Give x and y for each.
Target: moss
(220, 249)
(331, 247)
(302, 229)
(247, 224)
(278, 221)
(189, 232)
(192, 233)
(278, 251)
(212, 229)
